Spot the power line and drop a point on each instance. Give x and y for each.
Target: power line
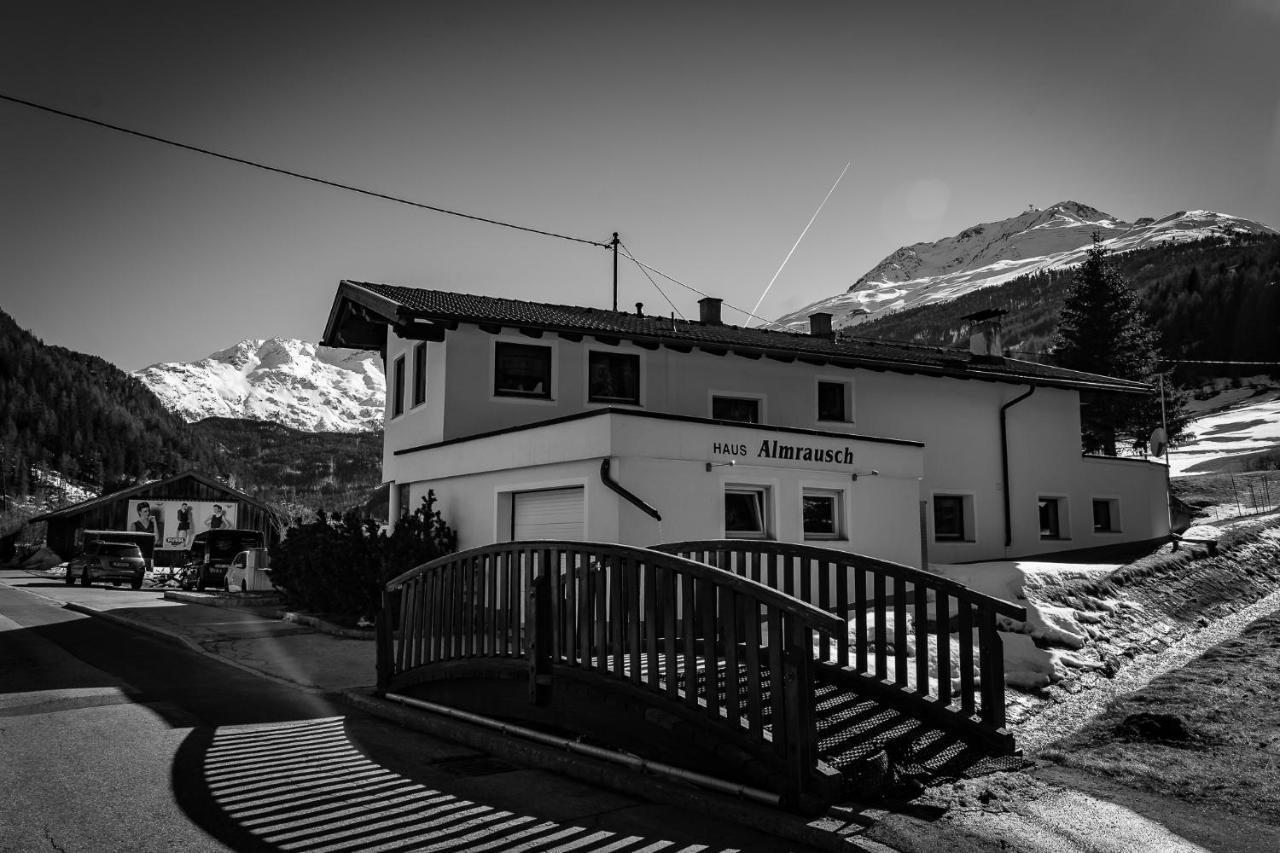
(645, 272)
(292, 174)
(643, 265)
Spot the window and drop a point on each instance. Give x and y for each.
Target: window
(746, 512)
(1106, 515)
(419, 374)
(522, 370)
(821, 511)
(1052, 518)
(950, 518)
(402, 491)
(745, 409)
(613, 377)
(397, 393)
(831, 401)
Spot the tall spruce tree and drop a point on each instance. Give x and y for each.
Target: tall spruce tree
(1102, 329)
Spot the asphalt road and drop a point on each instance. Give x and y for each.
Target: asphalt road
(114, 740)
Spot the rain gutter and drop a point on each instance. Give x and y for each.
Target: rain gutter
(1004, 460)
(628, 495)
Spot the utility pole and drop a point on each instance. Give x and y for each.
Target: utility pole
(614, 244)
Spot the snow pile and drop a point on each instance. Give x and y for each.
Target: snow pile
(286, 381)
(995, 252)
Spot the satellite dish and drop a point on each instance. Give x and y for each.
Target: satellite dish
(1158, 442)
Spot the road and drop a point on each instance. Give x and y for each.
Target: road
(115, 740)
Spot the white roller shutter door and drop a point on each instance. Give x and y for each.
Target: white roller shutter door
(548, 514)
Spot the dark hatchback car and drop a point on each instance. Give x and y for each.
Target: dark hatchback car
(116, 562)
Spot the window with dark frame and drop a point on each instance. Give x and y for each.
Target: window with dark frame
(522, 370)
(745, 513)
(613, 377)
(948, 517)
(419, 374)
(1104, 520)
(1050, 518)
(831, 405)
(744, 409)
(821, 513)
(397, 385)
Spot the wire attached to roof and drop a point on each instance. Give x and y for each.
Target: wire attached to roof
(645, 272)
(645, 266)
(322, 181)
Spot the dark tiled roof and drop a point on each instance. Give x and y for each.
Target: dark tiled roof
(446, 307)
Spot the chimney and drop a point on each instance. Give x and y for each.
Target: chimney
(820, 325)
(984, 333)
(709, 310)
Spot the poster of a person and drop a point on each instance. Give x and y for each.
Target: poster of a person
(217, 518)
(146, 522)
(184, 525)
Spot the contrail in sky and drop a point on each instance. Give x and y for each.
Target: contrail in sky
(756, 310)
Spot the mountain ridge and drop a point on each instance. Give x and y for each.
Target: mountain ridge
(284, 380)
(992, 253)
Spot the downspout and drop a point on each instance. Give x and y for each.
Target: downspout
(630, 496)
(1004, 461)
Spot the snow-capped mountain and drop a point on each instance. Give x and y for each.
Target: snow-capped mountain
(287, 381)
(995, 252)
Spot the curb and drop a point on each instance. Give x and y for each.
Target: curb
(277, 612)
(780, 824)
(182, 639)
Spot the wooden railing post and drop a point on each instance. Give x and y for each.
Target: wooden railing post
(799, 726)
(540, 633)
(991, 668)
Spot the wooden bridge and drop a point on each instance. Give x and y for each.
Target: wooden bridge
(800, 670)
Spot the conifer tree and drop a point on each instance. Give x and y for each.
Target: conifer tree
(1103, 330)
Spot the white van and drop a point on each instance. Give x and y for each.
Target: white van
(250, 571)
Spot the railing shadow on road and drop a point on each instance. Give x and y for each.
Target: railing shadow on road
(306, 787)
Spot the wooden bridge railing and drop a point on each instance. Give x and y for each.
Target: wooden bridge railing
(720, 645)
(909, 630)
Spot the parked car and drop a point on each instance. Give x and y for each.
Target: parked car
(250, 571)
(104, 560)
(212, 552)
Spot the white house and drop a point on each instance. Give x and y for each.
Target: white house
(532, 420)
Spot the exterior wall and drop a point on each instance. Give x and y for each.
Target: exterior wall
(958, 422)
(664, 463)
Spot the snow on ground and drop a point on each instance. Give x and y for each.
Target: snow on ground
(1250, 423)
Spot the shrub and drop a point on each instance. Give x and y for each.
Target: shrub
(338, 565)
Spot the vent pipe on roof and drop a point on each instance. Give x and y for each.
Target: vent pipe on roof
(820, 325)
(709, 310)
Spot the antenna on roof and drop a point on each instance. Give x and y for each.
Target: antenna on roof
(614, 243)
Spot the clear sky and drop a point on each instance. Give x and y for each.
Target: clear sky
(706, 133)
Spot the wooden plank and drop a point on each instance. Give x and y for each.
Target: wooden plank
(964, 625)
(468, 568)
(688, 631)
(670, 606)
(991, 662)
(943, 633)
(881, 610)
(632, 600)
(551, 570)
(755, 702)
(729, 618)
(569, 610)
(899, 632)
(800, 725)
(710, 657)
(824, 602)
(652, 622)
(617, 616)
(600, 593)
(860, 621)
(922, 639)
(842, 610)
(777, 699)
(406, 609)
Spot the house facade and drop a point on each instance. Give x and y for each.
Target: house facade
(531, 420)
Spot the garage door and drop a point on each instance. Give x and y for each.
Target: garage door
(548, 514)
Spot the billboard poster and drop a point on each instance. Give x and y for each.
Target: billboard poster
(175, 522)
